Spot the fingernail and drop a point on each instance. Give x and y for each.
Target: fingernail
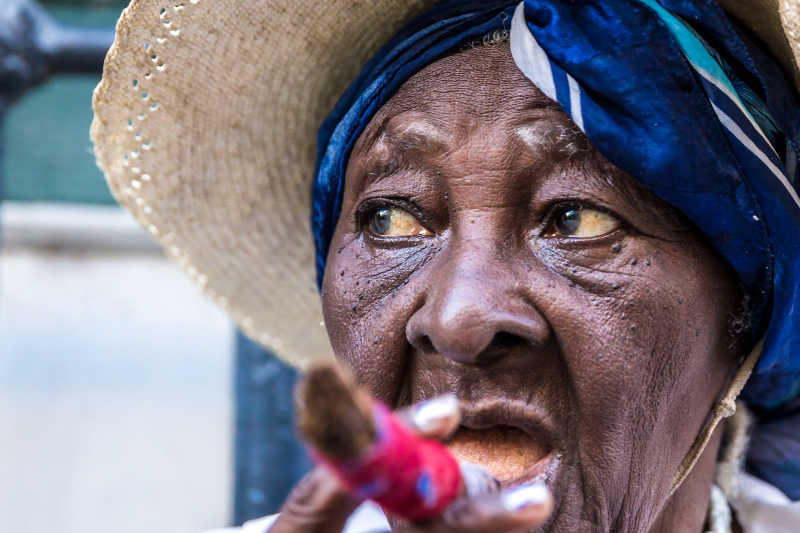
(436, 413)
(534, 493)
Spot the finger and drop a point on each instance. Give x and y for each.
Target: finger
(317, 504)
(436, 418)
(513, 510)
(477, 480)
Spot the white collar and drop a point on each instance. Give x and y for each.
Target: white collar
(760, 508)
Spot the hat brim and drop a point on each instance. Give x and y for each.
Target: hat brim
(777, 24)
(205, 127)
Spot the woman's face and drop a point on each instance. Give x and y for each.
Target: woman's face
(485, 249)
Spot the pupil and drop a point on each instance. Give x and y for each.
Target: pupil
(381, 221)
(568, 222)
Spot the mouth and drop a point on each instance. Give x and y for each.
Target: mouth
(510, 441)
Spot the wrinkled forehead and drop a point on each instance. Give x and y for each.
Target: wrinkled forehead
(475, 84)
(479, 89)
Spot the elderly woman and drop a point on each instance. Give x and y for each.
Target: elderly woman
(578, 218)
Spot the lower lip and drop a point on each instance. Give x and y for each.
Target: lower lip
(509, 454)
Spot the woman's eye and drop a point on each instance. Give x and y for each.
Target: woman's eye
(394, 222)
(583, 223)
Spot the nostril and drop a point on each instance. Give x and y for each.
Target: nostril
(502, 343)
(425, 344)
(504, 340)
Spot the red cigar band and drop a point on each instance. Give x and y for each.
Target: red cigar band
(406, 475)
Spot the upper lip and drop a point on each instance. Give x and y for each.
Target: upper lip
(529, 418)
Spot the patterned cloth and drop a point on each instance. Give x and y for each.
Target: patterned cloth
(671, 92)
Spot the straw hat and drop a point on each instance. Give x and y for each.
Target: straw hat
(205, 126)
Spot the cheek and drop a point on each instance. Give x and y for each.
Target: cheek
(620, 322)
(642, 312)
(367, 300)
(647, 349)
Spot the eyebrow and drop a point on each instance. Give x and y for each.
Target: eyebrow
(563, 141)
(575, 153)
(418, 135)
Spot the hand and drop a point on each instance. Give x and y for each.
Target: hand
(319, 505)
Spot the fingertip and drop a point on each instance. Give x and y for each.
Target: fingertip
(527, 495)
(532, 500)
(516, 509)
(436, 418)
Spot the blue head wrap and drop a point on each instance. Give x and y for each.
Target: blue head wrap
(667, 90)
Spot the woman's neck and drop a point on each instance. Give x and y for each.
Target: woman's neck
(687, 509)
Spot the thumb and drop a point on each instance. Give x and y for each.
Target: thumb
(317, 504)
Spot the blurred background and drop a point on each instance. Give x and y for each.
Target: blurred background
(127, 401)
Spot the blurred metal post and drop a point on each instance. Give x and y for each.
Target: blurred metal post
(33, 46)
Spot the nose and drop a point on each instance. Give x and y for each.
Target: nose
(476, 309)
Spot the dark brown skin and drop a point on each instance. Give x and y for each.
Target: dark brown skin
(614, 346)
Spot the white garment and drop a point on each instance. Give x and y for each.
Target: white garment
(760, 508)
(368, 518)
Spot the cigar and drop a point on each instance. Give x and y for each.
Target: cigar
(373, 454)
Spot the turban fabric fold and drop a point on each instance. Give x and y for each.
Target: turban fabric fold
(670, 91)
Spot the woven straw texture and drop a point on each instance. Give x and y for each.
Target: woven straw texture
(205, 127)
